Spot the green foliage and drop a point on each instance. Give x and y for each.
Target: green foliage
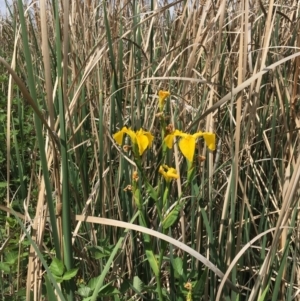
(22, 141)
(172, 216)
(59, 271)
(98, 252)
(86, 291)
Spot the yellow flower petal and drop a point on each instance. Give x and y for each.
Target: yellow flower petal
(169, 138)
(197, 135)
(210, 140)
(118, 136)
(179, 133)
(172, 173)
(144, 139)
(162, 95)
(187, 146)
(142, 142)
(130, 133)
(169, 173)
(149, 136)
(140, 138)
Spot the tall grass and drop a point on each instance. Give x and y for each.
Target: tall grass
(75, 73)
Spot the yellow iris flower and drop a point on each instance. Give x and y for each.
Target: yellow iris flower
(169, 173)
(187, 143)
(162, 95)
(140, 138)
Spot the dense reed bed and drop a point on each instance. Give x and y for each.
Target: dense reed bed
(149, 150)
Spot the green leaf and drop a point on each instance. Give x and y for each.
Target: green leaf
(49, 288)
(57, 267)
(152, 261)
(70, 274)
(85, 291)
(191, 173)
(11, 258)
(178, 267)
(11, 222)
(100, 252)
(4, 267)
(92, 283)
(199, 287)
(166, 194)
(108, 290)
(24, 255)
(58, 279)
(138, 284)
(202, 281)
(100, 255)
(152, 192)
(22, 293)
(263, 295)
(137, 198)
(171, 218)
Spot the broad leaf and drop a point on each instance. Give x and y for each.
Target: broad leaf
(70, 274)
(138, 284)
(85, 291)
(5, 267)
(177, 264)
(57, 267)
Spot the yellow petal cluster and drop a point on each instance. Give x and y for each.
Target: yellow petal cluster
(141, 138)
(162, 95)
(187, 143)
(169, 173)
